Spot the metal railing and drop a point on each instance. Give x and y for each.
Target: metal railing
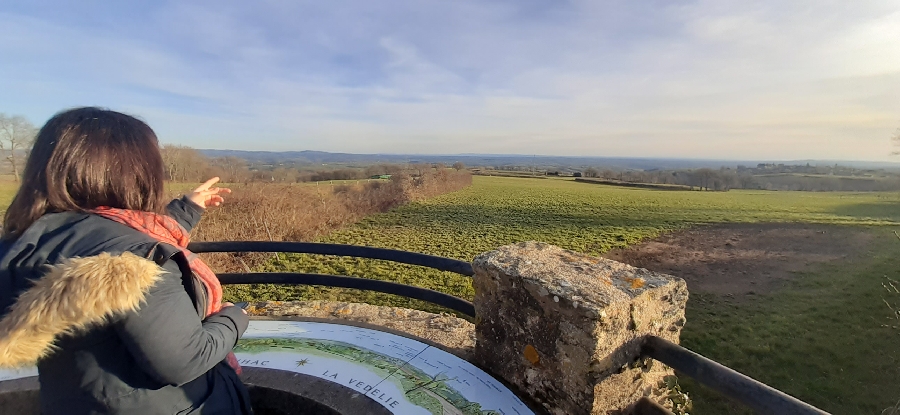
(343, 281)
(750, 392)
(757, 395)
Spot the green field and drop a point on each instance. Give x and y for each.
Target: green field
(821, 339)
(588, 218)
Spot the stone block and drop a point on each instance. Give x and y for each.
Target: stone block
(567, 328)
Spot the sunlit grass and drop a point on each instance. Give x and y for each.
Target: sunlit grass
(826, 338)
(589, 218)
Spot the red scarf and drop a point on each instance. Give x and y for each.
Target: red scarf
(165, 229)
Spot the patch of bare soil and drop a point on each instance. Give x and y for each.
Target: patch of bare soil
(741, 260)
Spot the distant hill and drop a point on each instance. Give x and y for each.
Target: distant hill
(539, 162)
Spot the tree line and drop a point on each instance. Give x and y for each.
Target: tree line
(704, 179)
(724, 179)
(185, 164)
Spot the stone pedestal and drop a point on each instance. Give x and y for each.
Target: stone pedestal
(567, 328)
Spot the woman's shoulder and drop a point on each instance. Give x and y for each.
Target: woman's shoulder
(95, 234)
(57, 236)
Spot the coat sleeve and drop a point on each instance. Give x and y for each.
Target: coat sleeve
(167, 338)
(185, 212)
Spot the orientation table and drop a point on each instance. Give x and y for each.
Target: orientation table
(403, 375)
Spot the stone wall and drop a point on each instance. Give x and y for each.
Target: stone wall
(567, 328)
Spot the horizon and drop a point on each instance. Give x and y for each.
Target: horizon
(694, 80)
(623, 158)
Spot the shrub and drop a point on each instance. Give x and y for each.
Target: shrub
(297, 212)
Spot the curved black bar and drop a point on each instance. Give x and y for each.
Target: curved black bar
(293, 278)
(412, 258)
(759, 396)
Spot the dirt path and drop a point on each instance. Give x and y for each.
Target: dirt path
(742, 260)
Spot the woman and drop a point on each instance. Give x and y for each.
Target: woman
(96, 285)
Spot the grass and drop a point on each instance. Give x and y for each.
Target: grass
(825, 338)
(8, 190)
(821, 339)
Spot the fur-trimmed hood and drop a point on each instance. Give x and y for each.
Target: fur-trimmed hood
(72, 296)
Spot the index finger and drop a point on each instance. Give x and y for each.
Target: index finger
(206, 185)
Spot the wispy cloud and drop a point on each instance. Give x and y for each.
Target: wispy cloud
(694, 79)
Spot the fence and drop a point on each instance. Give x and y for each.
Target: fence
(756, 395)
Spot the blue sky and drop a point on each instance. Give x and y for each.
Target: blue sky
(699, 79)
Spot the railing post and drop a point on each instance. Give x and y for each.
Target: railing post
(567, 328)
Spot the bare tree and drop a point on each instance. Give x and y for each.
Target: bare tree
(725, 179)
(235, 169)
(16, 138)
(591, 172)
(747, 181)
(705, 176)
(419, 168)
(284, 174)
(184, 164)
(459, 165)
(171, 163)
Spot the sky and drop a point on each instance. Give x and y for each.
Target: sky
(720, 79)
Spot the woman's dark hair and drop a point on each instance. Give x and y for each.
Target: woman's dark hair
(85, 158)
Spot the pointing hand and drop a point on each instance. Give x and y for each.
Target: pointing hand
(207, 196)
